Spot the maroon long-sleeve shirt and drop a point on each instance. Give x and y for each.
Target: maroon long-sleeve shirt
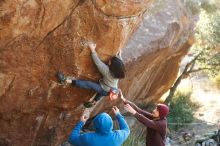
(156, 129)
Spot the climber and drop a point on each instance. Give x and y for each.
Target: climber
(155, 122)
(103, 134)
(108, 85)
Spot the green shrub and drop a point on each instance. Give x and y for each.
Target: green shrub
(181, 110)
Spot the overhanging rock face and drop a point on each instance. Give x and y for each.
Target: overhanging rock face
(38, 38)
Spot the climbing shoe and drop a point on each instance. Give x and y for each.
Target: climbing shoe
(89, 104)
(61, 77)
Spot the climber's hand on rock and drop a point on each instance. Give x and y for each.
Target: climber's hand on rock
(84, 118)
(130, 109)
(115, 110)
(92, 46)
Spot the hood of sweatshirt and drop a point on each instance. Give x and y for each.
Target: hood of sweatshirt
(103, 123)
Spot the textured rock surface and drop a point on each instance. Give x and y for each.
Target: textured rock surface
(39, 37)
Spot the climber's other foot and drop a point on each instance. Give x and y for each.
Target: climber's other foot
(89, 104)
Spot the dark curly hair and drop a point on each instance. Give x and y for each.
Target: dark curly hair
(117, 68)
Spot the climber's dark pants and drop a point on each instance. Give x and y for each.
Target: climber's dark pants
(91, 85)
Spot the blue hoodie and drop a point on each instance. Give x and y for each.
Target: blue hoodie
(104, 135)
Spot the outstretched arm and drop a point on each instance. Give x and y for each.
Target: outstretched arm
(122, 123)
(123, 126)
(140, 111)
(147, 122)
(102, 67)
(75, 134)
(74, 137)
(136, 108)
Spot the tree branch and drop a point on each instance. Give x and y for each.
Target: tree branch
(199, 69)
